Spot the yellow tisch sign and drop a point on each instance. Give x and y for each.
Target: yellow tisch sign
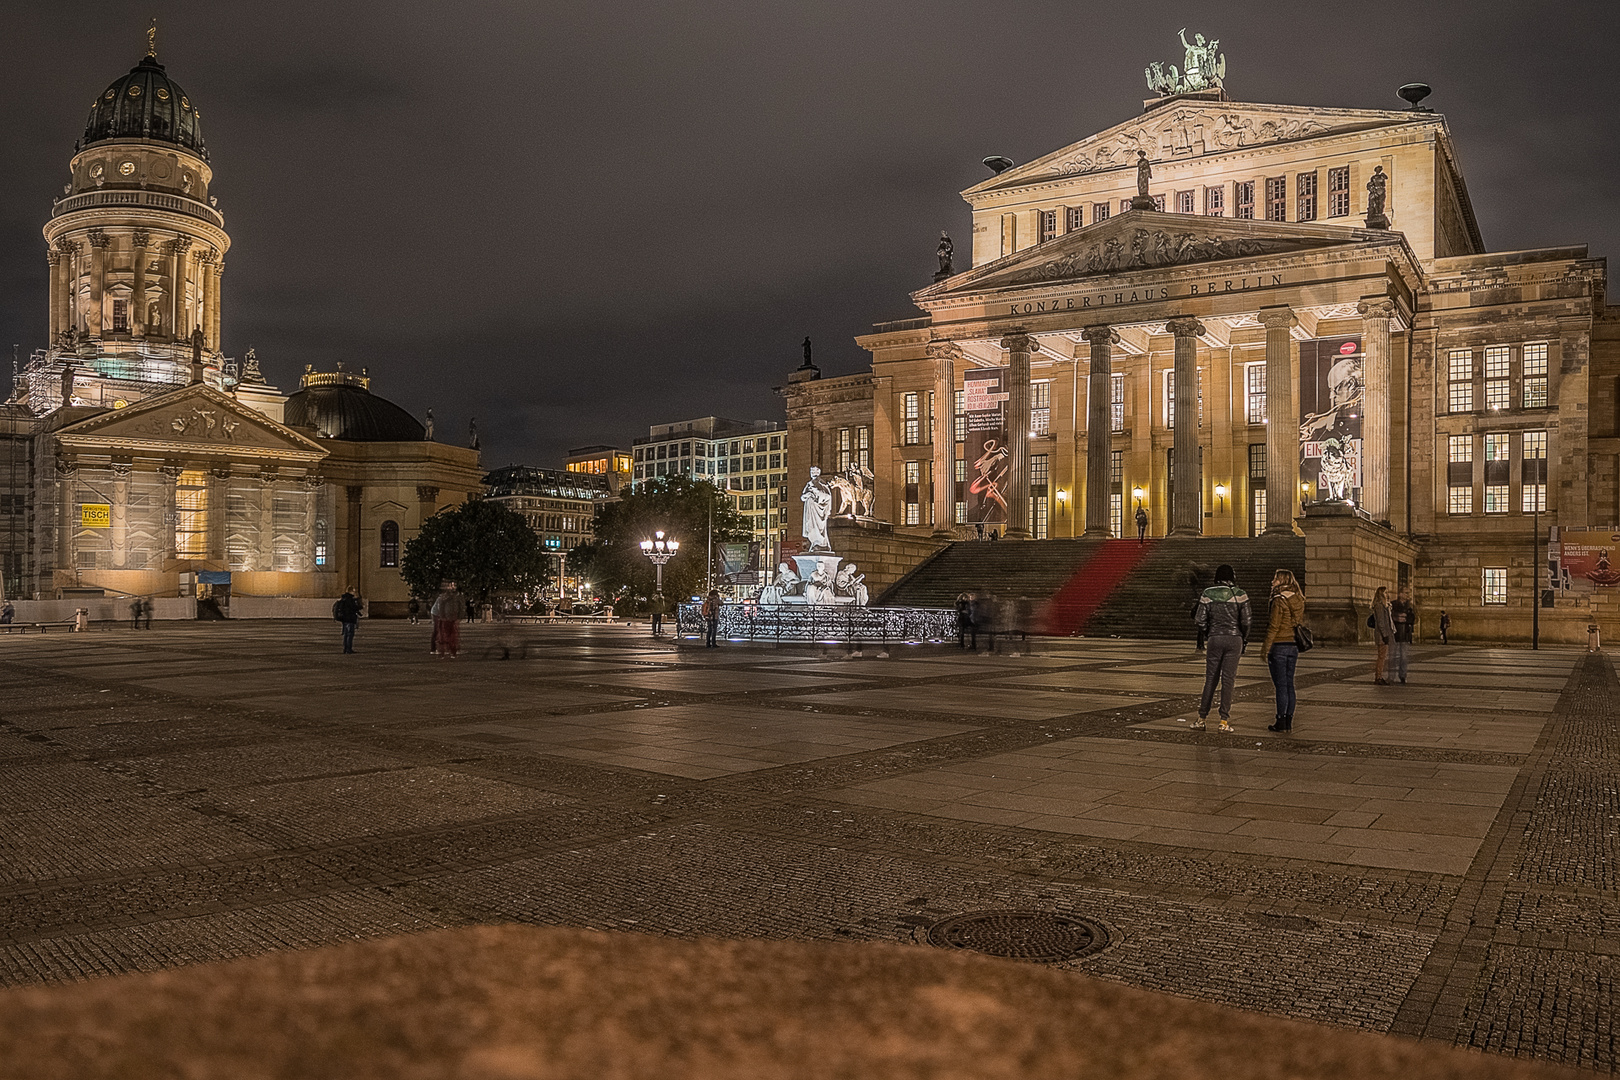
(95, 515)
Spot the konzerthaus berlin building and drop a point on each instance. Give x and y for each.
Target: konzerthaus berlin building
(140, 459)
(1205, 311)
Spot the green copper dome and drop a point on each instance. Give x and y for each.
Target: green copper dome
(146, 104)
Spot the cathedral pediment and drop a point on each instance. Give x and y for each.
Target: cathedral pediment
(191, 419)
(1188, 130)
(1145, 240)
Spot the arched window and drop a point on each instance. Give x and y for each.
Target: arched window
(390, 543)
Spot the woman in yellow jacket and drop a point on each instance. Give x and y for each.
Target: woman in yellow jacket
(1287, 612)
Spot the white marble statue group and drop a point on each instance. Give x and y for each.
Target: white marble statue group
(816, 577)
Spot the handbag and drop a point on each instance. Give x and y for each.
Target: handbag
(1372, 623)
(1304, 640)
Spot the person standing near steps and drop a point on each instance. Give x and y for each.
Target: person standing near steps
(1287, 614)
(1223, 616)
(1383, 628)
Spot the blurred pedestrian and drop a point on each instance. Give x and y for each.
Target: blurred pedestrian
(1403, 614)
(7, 613)
(1282, 655)
(657, 611)
(964, 621)
(711, 617)
(1141, 524)
(135, 614)
(347, 612)
(1594, 642)
(1383, 628)
(1445, 627)
(81, 619)
(1224, 617)
(448, 610)
(414, 609)
(146, 611)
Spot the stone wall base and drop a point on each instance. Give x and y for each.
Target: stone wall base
(883, 554)
(1347, 557)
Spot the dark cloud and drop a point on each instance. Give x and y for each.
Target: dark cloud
(574, 220)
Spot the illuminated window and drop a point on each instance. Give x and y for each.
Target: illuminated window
(959, 415)
(1257, 511)
(1243, 199)
(1215, 201)
(1496, 472)
(191, 515)
(1040, 406)
(1305, 193)
(1460, 500)
(1116, 466)
(1073, 215)
(909, 404)
(1533, 470)
(1184, 201)
(1338, 191)
(1493, 585)
(1048, 225)
(1498, 366)
(1535, 375)
(1276, 198)
(1460, 381)
(1254, 392)
(1116, 401)
(1039, 506)
(913, 474)
(120, 315)
(1116, 513)
(388, 544)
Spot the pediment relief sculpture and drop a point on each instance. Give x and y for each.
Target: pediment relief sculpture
(1186, 132)
(1143, 248)
(196, 415)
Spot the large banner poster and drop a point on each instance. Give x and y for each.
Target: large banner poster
(984, 402)
(1330, 395)
(1583, 559)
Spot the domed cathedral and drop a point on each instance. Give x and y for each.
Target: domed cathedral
(137, 458)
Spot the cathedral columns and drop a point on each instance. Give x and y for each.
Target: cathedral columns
(66, 287)
(1375, 449)
(1187, 513)
(1099, 424)
(201, 318)
(944, 435)
(66, 488)
(265, 551)
(306, 553)
(1018, 346)
(171, 512)
(99, 243)
(219, 483)
(216, 270)
(1282, 423)
(121, 471)
(178, 270)
(137, 315)
(53, 258)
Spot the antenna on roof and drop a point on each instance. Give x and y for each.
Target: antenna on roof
(1413, 93)
(998, 164)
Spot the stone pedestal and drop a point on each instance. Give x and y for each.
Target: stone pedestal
(807, 566)
(1347, 557)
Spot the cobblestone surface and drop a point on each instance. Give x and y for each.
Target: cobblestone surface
(163, 804)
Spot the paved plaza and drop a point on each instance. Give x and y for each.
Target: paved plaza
(1435, 859)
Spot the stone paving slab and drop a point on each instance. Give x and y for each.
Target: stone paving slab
(217, 790)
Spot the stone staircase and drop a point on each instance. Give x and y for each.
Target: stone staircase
(1156, 600)
(1007, 568)
(1102, 587)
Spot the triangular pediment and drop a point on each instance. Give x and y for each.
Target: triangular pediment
(1146, 240)
(1192, 129)
(191, 418)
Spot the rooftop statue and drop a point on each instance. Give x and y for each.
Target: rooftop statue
(1203, 68)
(946, 251)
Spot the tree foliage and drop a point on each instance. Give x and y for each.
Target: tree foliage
(680, 506)
(482, 546)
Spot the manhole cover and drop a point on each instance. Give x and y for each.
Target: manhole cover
(1021, 935)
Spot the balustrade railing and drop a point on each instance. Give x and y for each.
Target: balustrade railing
(821, 622)
(155, 199)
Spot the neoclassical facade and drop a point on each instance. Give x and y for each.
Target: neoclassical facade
(143, 460)
(1247, 318)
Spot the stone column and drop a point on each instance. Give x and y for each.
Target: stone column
(205, 278)
(65, 298)
(212, 329)
(944, 355)
(1375, 449)
(171, 519)
(67, 472)
(178, 248)
(120, 513)
(355, 572)
(137, 317)
(1018, 346)
(265, 550)
(313, 483)
(53, 258)
(219, 483)
(1187, 514)
(1099, 426)
(99, 243)
(1282, 423)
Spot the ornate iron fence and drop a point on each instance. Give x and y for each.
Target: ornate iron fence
(821, 622)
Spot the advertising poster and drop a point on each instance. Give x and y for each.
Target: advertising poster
(984, 403)
(1330, 395)
(739, 564)
(95, 515)
(1584, 559)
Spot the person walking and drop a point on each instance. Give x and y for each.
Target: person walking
(1403, 614)
(1141, 524)
(146, 611)
(1445, 626)
(448, 610)
(1594, 638)
(81, 619)
(7, 613)
(1287, 614)
(414, 609)
(711, 617)
(1223, 616)
(964, 621)
(347, 612)
(135, 614)
(1383, 628)
(657, 610)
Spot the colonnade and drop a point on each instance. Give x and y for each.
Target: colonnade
(1186, 507)
(188, 287)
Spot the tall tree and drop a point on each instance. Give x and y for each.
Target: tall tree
(482, 546)
(681, 507)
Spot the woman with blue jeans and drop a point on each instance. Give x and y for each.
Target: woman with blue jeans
(1287, 613)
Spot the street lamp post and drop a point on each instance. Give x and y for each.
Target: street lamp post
(660, 551)
(1536, 571)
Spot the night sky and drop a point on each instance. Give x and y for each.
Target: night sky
(575, 220)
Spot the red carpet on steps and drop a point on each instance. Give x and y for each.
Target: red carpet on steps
(1072, 605)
